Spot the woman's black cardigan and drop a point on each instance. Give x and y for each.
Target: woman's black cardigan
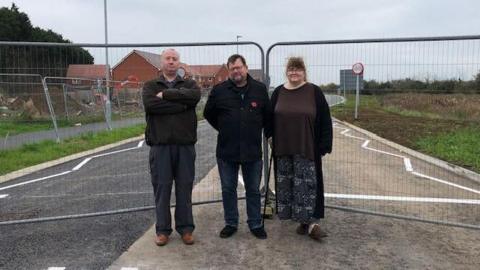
(323, 137)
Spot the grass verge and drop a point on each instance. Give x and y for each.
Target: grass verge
(460, 146)
(36, 153)
(17, 126)
(11, 127)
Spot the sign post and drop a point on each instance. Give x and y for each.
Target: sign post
(357, 69)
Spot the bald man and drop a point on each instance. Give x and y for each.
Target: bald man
(171, 133)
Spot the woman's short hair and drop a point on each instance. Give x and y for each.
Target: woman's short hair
(296, 63)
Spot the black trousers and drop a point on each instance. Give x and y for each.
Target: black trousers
(168, 164)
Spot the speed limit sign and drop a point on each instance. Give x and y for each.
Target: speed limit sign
(357, 68)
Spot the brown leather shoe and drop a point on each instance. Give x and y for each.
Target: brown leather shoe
(302, 229)
(161, 240)
(187, 238)
(316, 232)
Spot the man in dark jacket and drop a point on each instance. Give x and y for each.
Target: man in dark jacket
(171, 133)
(238, 109)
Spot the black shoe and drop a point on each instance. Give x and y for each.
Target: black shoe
(228, 231)
(302, 229)
(259, 232)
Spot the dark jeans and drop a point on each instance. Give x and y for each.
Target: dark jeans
(252, 174)
(169, 162)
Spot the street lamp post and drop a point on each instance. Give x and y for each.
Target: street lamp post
(238, 36)
(108, 105)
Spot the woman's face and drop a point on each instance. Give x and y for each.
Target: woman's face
(295, 75)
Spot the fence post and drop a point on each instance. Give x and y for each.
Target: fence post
(65, 99)
(50, 108)
(357, 97)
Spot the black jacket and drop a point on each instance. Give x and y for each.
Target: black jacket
(239, 121)
(172, 118)
(323, 136)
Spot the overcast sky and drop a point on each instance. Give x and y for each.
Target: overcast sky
(267, 22)
(263, 21)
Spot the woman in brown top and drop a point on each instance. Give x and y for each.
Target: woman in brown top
(302, 134)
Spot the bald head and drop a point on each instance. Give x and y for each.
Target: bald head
(170, 51)
(170, 60)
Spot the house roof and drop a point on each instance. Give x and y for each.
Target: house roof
(204, 70)
(152, 58)
(86, 71)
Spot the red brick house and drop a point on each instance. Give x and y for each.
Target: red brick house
(142, 65)
(207, 75)
(90, 73)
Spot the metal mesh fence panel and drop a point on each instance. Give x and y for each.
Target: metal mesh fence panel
(111, 179)
(414, 95)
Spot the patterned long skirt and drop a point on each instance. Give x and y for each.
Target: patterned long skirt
(296, 188)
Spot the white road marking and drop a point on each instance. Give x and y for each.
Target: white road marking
(115, 152)
(3, 196)
(400, 198)
(351, 136)
(337, 97)
(56, 268)
(80, 165)
(406, 161)
(446, 182)
(364, 145)
(408, 164)
(89, 195)
(36, 180)
(129, 268)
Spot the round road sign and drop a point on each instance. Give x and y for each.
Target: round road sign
(357, 68)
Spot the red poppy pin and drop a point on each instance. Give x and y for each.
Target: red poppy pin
(254, 104)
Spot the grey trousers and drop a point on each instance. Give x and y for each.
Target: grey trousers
(169, 163)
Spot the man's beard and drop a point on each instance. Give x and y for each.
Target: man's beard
(238, 79)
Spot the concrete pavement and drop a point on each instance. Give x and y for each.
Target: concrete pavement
(356, 241)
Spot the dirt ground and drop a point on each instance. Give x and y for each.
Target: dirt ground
(435, 113)
(402, 129)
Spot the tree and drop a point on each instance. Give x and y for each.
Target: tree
(477, 82)
(371, 84)
(14, 25)
(46, 61)
(329, 87)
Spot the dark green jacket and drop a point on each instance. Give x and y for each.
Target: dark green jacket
(171, 119)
